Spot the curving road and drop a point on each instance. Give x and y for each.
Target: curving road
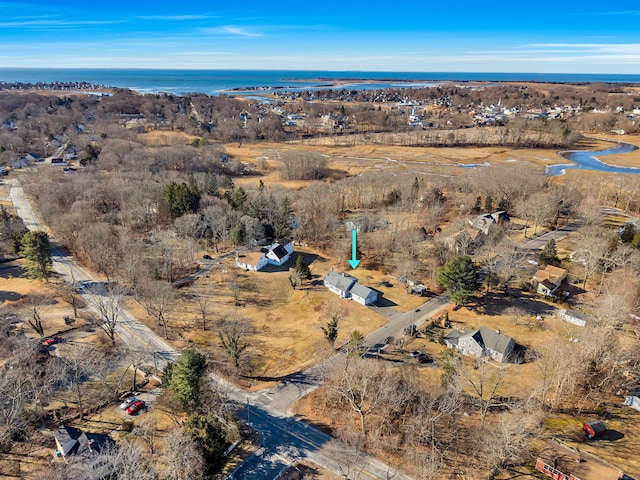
(285, 439)
(134, 334)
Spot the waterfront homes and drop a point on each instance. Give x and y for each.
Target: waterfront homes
(481, 342)
(277, 254)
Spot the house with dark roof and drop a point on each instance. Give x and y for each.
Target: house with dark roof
(363, 295)
(83, 446)
(481, 342)
(340, 283)
(277, 254)
(486, 221)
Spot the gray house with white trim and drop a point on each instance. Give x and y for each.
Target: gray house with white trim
(340, 283)
(482, 342)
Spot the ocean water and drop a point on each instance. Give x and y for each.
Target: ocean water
(215, 82)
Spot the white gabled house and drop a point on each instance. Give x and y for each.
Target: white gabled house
(251, 260)
(276, 254)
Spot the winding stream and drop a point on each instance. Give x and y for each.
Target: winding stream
(589, 160)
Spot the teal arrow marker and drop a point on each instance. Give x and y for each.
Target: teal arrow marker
(353, 262)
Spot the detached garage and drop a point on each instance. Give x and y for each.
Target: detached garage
(363, 295)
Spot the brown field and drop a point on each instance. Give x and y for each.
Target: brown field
(286, 332)
(620, 451)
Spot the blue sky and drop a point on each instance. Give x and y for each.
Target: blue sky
(500, 36)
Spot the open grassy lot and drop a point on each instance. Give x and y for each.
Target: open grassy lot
(285, 334)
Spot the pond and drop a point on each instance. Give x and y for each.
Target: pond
(590, 160)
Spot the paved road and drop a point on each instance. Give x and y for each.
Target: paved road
(134, 334)
(296, 386)
(284, 438)
(538, 243)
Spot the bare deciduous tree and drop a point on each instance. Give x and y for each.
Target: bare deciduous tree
(232, 332)
(182, 457)
(158, 299)
(110, 308)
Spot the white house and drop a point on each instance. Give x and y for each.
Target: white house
(251, 260)
(481, 342)
(340, 283)
(363, 295)
(275, 254)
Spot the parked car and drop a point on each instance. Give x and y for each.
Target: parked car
(53, 340)
(134, 407)
(423, 358)
(416, 353)
(207, 257)
(128, 402)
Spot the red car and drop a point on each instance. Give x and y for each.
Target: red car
(53, 341)
(134, 407)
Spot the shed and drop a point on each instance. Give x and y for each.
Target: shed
(632, 399)
(594, 429)
(573, 316)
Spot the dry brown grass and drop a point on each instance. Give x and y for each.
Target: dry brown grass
(621, 452)
(357, 159)
(286, 323)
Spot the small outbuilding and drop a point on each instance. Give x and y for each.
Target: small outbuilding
(594, 429)
(632, 399)
(573, 316)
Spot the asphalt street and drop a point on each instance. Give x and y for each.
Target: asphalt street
(284, 438)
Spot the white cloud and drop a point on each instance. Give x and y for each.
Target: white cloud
(231, 30)
(177, 17)
(56, 23)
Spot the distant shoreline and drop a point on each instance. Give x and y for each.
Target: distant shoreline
(216, 82)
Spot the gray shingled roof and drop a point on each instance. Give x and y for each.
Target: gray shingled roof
(494, 340)
(361, 290)
(341, 281)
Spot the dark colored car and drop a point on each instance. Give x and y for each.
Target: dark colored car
(53, 340)
(135, 406)
(422, 358)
